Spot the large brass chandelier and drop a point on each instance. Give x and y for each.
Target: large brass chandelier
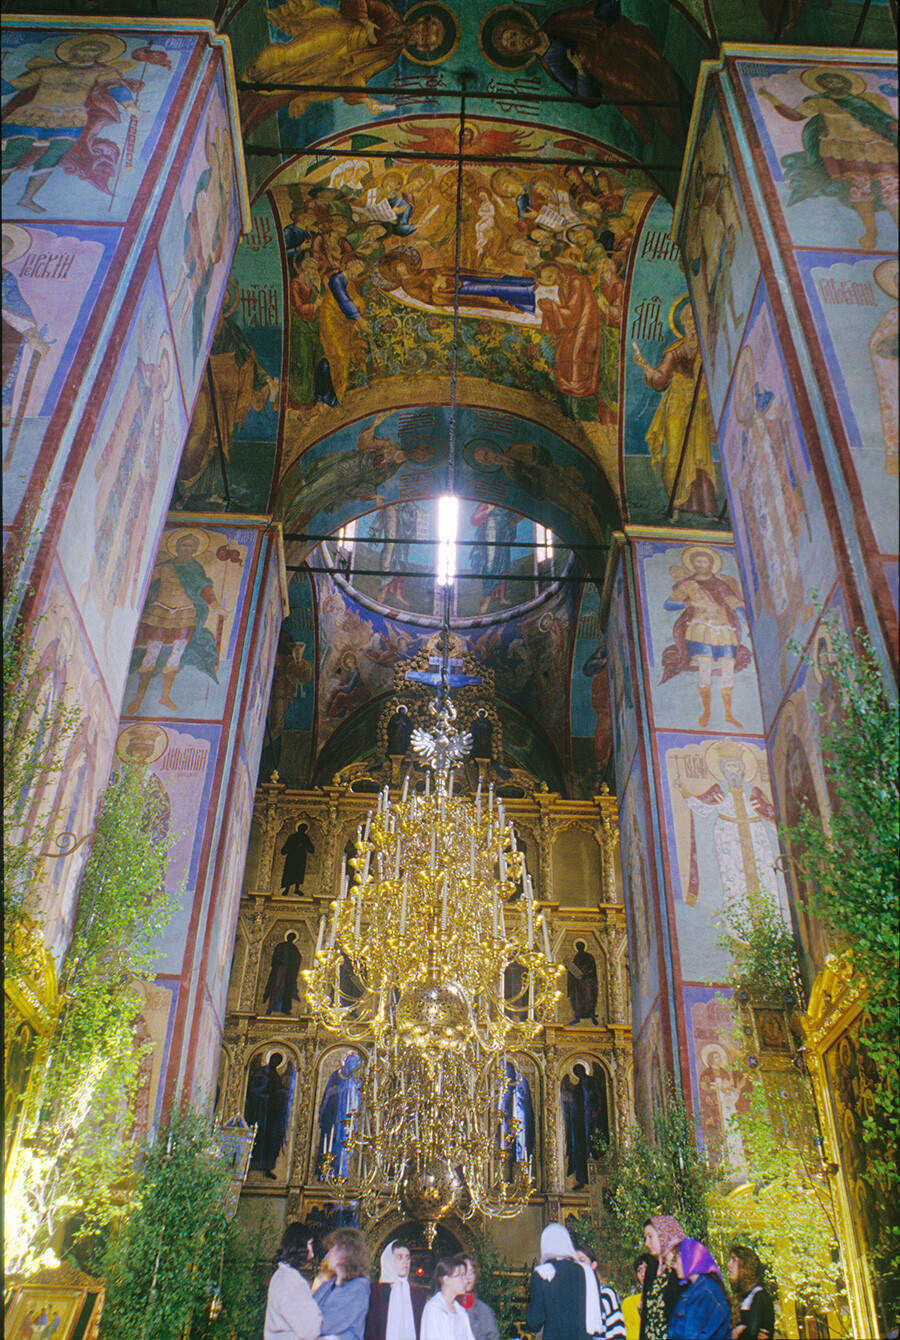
(436, 917)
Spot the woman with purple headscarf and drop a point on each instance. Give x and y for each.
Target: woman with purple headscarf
(702, 1311)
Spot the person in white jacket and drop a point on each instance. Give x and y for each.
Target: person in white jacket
(443, 1318)
(291, 1311)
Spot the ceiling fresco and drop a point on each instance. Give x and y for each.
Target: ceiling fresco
(534, 150)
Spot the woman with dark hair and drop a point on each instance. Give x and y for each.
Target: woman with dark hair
(661, 1289)
(745, 1274)
(443, 1318)
(702, 1311)
(341, 1287)
(291, 1313)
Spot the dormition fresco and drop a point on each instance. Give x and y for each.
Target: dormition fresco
(124, 483)
(669, 438)
(853, 300)
(245, 366)
(187, 636)
(721, 832)
(200, 236)
(829, 135)
(782, 534)
(51, 273)
(371, 254)
(629, 52)
(699, 656)
(720, 260)
(121, 88)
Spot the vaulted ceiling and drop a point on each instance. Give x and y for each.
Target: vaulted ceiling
(534, 152)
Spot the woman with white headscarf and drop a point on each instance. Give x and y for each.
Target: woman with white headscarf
(395, 1305)
(565, 1297)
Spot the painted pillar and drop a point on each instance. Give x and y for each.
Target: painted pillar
(117, 245)
(698, 829)
(195, 705)
(787, 220)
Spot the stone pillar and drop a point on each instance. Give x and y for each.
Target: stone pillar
(116, 288)
(695, 796)
(787, 220)
(195, 705)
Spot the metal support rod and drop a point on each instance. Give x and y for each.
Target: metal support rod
(685, 442)
(862, 23)
(617, 160)
(422, 95)
(412, 539)
(212, 399)
(431, 576)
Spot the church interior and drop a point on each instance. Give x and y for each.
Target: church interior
(620, 281)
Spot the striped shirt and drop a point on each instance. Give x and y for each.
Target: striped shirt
(613, 1320)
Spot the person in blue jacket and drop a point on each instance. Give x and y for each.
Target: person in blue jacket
(702, 1311)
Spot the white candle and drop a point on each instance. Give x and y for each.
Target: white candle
(405, 787)
(529, 912)
(368, 826)
(444, 911)
(321, 933)
(546, 938)
(450, 792)
(502, 859)
(495, 913)
(403, 908)
(428, 783)
(397, 859)
(491, 798)
(433, 847)
(478, 803)
(472, 857)
(333, 931)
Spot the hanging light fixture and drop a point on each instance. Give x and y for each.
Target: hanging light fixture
(435, 907)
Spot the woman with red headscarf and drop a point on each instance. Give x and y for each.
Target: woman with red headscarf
(661, 1285)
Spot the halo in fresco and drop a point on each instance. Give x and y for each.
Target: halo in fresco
(688, 555)
(165, 359)
(450, 24)
(713, 761)
(744, 376)
(21, 241)
(505, 60)
(676, 313)
(885, 276)
(811, 78)
(113, 46)
(174, 537)
(145, 741)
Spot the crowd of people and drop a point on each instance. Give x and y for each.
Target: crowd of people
(681, 1293)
